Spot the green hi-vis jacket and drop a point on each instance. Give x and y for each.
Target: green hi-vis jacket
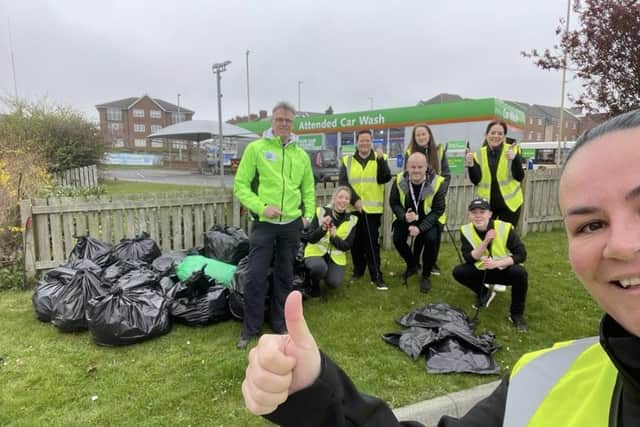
(283, 176)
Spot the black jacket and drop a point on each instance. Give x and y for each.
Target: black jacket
(383, 172)
(333, 399)
(316, 232)
(438, 203)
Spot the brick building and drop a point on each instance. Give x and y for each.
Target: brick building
(127, 122)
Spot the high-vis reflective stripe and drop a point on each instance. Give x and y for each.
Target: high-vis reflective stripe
(544, 387)
(364, 181)
(509, 187)
(431, 191)
(499, 248)
(324, 245)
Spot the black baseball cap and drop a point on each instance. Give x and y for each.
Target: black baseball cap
(480, 204)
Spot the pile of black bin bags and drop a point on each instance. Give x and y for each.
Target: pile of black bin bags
(445, 336)
(130, 292)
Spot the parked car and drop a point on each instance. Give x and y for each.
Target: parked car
(325, 165)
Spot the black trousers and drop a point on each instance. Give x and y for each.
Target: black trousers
(515, 276)
(504, 214)
(427, 240)
(269, 242)
(367, 240)
(418, 245)
(323, 267)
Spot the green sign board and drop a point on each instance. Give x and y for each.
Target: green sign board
(455, 156)
(310, 142)
(528, 153)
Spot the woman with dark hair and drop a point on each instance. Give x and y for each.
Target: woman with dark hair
(497, 172)
(422, 141)
(587, 382)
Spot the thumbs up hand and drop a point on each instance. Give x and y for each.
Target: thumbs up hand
(468, 157)
(280, 365)
(511, 152)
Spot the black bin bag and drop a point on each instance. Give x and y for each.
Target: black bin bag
(89, 248)
(199, 301)
(227, 244)
(166, 263)
(69, 311)
(48, 291)
(128, 314)
(115, 271)
(141, 248)
(239, 286)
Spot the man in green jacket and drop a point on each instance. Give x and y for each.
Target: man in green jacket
(275, 182)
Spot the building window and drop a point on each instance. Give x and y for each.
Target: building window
(179, 145)
(117, 143)
(137, 112)
(155, 114)
(114, 114)
(530, 136)
(115, 127)
(155, 128)
(530, 120)
(177, 118)
(538, 136)
(140, 128)
(539, 122)
(156, 143)
(573, 125)
(140, 142)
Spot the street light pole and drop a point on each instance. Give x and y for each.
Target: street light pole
(217, 69)
(371, 103)
(564, 82)
(299, 99)
(248, 91)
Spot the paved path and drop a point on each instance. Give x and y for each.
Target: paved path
(166, 176)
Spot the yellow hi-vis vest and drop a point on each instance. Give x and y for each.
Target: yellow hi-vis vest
(426, 203)
(324, 245)
(498, 244)
(509, 187)
(571, 385)
(364, 182)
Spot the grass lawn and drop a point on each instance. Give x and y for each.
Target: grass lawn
(192, 375)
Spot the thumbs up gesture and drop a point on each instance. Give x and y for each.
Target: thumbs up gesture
(511, 152)
(468, 157)
(280, 365)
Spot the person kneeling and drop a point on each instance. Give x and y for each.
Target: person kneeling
(493, 253)
(418, 200)
(331, 234)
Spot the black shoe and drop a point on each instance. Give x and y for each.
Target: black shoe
(381, 286)
(435, 270)
(410, 271)
(518, 322)
(485, 299)
(355, 277)
(243, 342)
(425, 285)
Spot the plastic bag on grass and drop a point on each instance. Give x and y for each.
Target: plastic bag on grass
(199, 301)
(167, 262)
(138, 278)
(69, 311)
(227, 244)
(139, 248)
(238, 289)
(452, 355)
(111, 274)
(128, 315)
(48, 291)
(219, 271)
(89, 248)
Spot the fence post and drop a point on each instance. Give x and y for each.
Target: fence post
(235, 211)
(28, 240)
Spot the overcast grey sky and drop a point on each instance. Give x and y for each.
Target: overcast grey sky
(85, 52)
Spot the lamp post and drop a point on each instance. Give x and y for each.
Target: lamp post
(248, 91)
(299, 101)
(218, 68)
(564, 82)
(371, 103)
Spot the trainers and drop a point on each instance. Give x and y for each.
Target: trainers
(381, 286)
(243, 342)
(484, 300)
(435, 270)
(518, 322)
(409, 272)
(425, 285)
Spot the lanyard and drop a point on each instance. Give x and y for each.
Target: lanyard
(413, 196)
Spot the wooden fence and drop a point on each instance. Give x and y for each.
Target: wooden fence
(79, 177)
(178, 221)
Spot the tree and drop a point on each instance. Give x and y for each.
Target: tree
(329, 110)
(604, 54)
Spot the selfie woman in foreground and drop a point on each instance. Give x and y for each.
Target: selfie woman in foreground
(587, 382)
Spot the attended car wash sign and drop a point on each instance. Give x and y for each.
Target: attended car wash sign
(310, 142)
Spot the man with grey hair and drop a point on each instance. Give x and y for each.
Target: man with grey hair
(275, 182)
